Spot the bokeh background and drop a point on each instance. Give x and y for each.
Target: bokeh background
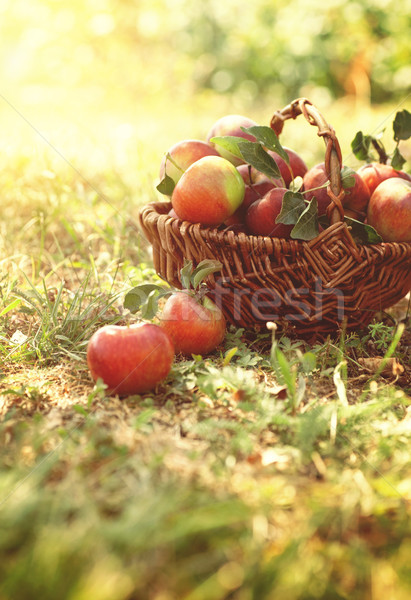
(102, 81)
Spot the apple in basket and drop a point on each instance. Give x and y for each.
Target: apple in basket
(130, 359)
(261, 216)
(389, 210)
(230, 125)
(256, 186)
(375, 173)
(356, 197)
(183, 154)
(315, 184)
(296, 168)
(209, 192)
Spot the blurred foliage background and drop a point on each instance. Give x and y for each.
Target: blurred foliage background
(107, 73)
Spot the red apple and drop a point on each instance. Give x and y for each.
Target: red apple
(296, 168)
(389, 210)
(314, 178)
(231, 125)
(195, 326)
(130, 360)
(184, 154)
(261, 216)
(375, 173)
(356, 197)
(209, 192)
(256, 186)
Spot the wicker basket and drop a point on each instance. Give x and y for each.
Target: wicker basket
(309, 288)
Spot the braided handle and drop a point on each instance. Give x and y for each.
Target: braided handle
(333, 159)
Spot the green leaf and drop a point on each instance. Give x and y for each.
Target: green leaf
(363, 233)
(402, 125)
(185, 274)
(397, 160)
(229, 143)
(347, 177)
(203, 270)
(292, 208)
(10, 307)
(283, 370)
(308, 362)
(166, 186)
(306, 227)
(254, 154)
(296, 184)
(361, 146)
(149, 308)
(268, 138)
(137, 296)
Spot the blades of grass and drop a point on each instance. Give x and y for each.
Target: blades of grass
(339, 382)
(10, 307)
(390, 351)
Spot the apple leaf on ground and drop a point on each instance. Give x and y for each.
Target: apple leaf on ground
(185, 274)
(402, 125)
(203, 270)
(166, 186)
(292, 208)
(145, 298)
(363, 233)
(268, 138)
(254, 154)
(306, 227)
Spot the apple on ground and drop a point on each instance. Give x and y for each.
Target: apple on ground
(183, 154)
(231, 125)
(375, 173)
(296, 168)
(130, 359)
(261, 216)
(209, 192)
(196, 326)
(389, 210)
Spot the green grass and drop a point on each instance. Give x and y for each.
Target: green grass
(259, 472)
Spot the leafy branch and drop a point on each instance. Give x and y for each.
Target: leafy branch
(371, 149)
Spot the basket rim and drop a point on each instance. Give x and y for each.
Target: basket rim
(156, 209)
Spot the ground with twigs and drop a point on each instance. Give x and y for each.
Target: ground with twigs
(232, 479)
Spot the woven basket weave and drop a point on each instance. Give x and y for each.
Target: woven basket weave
(308, 288)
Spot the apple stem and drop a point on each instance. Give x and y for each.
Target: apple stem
(382, 155)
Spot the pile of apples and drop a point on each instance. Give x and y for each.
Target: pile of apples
(240, 177)
(133, 359)
(210, 185)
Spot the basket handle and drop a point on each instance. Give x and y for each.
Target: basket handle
(333, 159)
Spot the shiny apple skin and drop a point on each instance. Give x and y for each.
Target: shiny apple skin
(195, 327)
(130, 359)
(209, 192)
(261, 216)
(389, 210)
(375, 173)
